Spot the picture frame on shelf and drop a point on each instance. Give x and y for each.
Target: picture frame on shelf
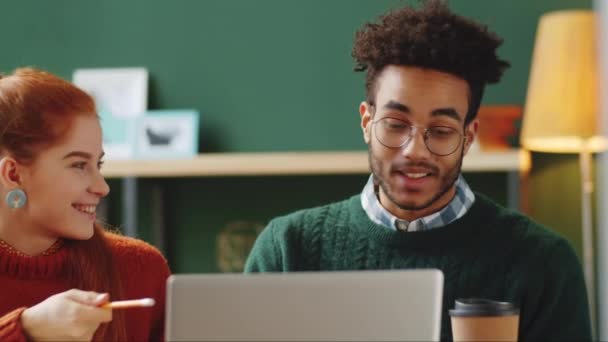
(167, 134)
(121, 97)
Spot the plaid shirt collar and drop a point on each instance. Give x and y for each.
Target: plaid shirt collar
(458, 206)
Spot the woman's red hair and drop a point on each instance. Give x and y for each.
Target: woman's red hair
(36, 110)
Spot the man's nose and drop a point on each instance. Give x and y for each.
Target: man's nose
(415, 147)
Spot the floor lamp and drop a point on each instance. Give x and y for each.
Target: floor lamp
(561, 114)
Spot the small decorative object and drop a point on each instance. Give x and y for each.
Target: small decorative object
(121, 96)
(498, 126)
(167, 134)
(234, 242)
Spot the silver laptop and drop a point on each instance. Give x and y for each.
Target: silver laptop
(400, 305)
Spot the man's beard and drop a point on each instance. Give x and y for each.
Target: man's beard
(446, 182)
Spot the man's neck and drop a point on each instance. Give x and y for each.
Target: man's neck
(411, 215)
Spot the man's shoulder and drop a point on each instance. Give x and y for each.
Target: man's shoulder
(301, 222)
(327, 214)
(520, 228)
(292, 241)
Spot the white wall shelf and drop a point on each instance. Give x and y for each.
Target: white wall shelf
(292, 163)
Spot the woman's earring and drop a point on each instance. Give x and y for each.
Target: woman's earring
(16, 198)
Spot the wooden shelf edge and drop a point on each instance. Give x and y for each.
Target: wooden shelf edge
(288, 163)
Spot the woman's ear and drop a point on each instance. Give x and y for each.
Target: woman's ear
(9, 173)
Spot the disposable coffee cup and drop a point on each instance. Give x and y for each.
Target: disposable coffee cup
(476, 319)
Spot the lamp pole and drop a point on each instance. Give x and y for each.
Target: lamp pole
(587, 230)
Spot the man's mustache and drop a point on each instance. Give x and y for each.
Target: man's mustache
(419, 165)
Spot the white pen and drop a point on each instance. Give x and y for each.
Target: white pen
(132, 303)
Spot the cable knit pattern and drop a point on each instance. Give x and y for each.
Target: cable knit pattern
(491, 252)
(26, 281)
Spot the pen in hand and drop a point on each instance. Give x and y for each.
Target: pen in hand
(133, 303)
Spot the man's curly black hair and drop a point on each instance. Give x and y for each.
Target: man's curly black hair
(431, 37)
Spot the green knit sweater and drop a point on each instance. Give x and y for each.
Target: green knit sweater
(491, 252)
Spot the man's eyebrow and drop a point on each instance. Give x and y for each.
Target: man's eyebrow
(449, 112)
(397, 106)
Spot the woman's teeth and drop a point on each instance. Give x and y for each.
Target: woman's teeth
(89, 209)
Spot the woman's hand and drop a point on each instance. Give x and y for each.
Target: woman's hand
(73, 315)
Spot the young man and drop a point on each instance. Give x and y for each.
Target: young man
(426, 73)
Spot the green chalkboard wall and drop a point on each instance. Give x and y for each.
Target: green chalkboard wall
(266, 75)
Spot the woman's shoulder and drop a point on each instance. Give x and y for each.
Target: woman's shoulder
(132, 250)
(142, 267)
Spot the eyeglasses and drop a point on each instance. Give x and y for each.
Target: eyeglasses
(396, 133)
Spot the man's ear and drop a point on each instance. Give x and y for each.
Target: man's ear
(470, 134)
(366, 120)
(9, 173)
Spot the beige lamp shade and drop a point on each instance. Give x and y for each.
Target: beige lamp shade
(562, 110)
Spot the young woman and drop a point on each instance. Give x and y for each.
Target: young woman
(58, 267)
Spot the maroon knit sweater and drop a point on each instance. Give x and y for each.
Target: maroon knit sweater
(28, 280)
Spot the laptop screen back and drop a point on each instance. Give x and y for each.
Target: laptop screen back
(392, 305)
